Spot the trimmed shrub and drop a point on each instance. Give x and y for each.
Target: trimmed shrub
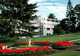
(78, 49)
(31, 54)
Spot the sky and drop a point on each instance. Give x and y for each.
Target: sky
(57, 7)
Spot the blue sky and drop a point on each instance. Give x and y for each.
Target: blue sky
(57, 7)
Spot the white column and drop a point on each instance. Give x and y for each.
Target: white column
(29, 42)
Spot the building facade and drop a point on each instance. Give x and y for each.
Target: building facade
(45, 25)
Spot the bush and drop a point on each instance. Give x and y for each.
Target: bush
(62, 32)
(8, 39)
(32, 54)
(78, 49)
(58, 30)
(63, 47)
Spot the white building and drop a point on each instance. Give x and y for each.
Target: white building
(45, 25)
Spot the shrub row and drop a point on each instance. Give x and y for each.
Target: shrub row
(63, 47)
(42, 53)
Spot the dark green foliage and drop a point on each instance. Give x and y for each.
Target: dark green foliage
(67, 26)
(8, 39)
(58, 30)
(70, 14)
(78, 49)
(64, 25)
(14, 11)
(63, 47)
(7, 30)
(52, 16)
(42, 44)
(77, 9)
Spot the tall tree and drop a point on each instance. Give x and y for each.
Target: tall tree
(18, 10)
(51, 15)
(70, 14)
(77, 10)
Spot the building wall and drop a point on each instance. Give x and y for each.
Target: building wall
(45, 26)
(48, 25)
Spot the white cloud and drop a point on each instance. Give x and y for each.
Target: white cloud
(59, 4)
(41, 8)
(34, 1)
(42, 4)
(53, 0)
(59, 11)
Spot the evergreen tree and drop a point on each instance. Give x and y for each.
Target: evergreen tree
(18, 10)
(51, 16)
(77, 10)
(64, 25)
(70, 14)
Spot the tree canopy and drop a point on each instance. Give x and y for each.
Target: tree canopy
(16, 14)
(77, 9)
(51, 15)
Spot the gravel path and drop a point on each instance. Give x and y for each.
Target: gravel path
(74, 40)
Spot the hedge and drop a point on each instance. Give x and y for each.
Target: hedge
(42, 53)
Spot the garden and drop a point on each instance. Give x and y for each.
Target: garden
(42, 46)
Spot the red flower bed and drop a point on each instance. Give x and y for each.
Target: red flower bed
(64, 43)
(3, 45)
(6, 51)
(45, 42)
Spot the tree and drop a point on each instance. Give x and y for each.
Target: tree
(51, 16)
(70, 14)
(58, 30)
(67, 25)
(64, 25)
(77, 10)
(18, 10)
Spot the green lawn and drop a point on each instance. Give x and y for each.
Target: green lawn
(52, 38)
(78, 33)
(69, 53)
(77, 41)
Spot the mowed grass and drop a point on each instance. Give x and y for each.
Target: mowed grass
(68, 53)
(77, 41)
(78, 33)
(53, 38)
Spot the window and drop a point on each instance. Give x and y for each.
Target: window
(48, 19)
(52, 20)
(48, 33)
(48, 28)
(56, 20)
